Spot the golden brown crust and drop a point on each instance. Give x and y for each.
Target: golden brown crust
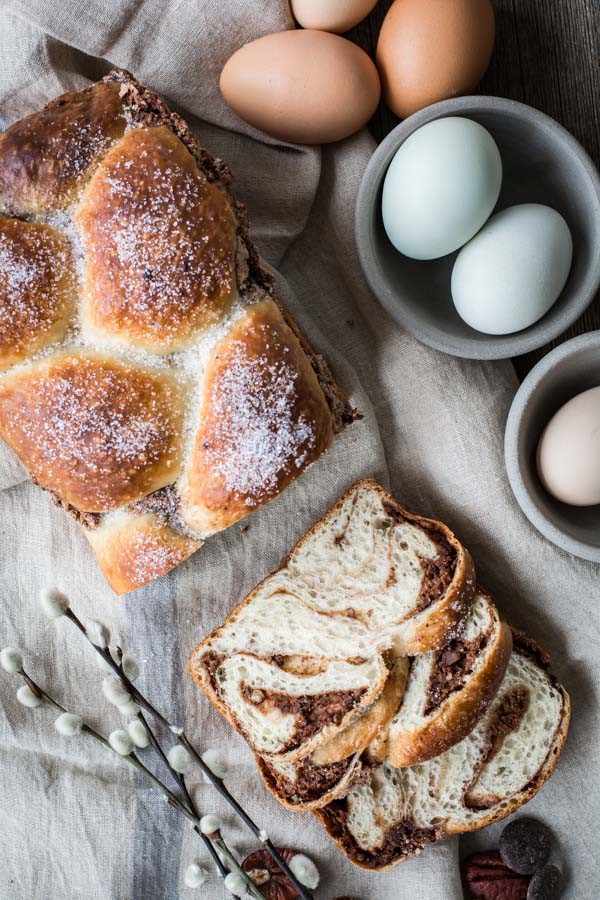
(264, 418)
(37, 288)
(458, 715)
(364, 730)
(159, 241)
(48, 156)
(97, 432)
(134, 550)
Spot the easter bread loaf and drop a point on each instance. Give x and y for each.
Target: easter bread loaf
(150, 378)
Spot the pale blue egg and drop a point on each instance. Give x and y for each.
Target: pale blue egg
(440, 187)
(511, 273)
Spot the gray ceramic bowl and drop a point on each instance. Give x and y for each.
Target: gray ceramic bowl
(542, 163)
(562, 374)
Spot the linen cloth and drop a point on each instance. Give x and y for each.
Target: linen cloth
(75, 822)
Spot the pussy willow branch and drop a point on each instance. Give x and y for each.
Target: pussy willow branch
(180, 736)
(179, 779)
(217, 844)
(212, 844)
(87, 729)
(178, 776)
(217, 841)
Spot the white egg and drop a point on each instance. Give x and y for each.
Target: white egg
(511, 273)
(568, 456)
(441, 187)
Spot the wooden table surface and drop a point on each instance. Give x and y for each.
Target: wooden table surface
(547, 54)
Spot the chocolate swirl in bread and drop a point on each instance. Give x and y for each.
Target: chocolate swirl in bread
(389, 814)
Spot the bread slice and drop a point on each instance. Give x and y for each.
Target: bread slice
(391, 814)
(449, 690)
(416, 716)
(285, 714)
(366, 578)
(307, 652)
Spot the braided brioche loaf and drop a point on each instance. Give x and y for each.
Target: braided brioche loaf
(151, 380)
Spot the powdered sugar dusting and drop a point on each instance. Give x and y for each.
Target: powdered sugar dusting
(160, 241)
(253, 403)
(99, 428)
(113, 310)
(47, 157)
(33, 266)
(149, 556)
(76, 145)
(17, 273)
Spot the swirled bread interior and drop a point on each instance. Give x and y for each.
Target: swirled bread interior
(304, 786)
(309, 653)
(367, 578)
(429, 703)
(448, 690)
(380, 689)
(392, 813)
(287, 714)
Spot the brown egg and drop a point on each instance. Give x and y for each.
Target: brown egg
(307, 87)
(430, 50)
(331, 15)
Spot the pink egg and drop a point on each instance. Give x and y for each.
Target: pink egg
(568, 456)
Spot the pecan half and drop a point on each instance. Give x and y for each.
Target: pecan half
(262, 869)
(486, 877)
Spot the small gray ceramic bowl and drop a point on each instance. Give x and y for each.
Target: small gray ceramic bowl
(562, 374)
(542, 163)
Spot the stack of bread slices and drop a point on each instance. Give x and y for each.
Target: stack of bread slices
(379, 688)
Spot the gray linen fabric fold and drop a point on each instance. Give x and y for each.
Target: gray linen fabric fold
(75, 824)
